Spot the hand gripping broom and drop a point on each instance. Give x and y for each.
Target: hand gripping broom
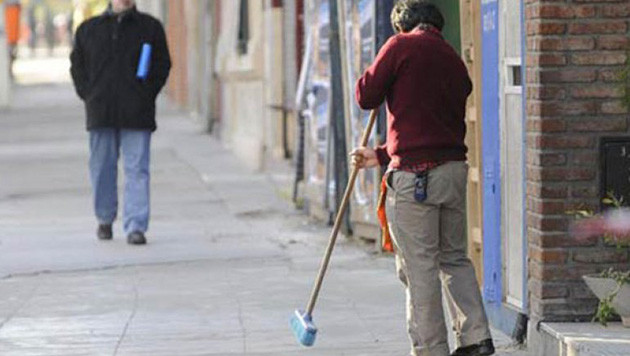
(302, 321)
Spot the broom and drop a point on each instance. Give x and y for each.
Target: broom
(302, 321)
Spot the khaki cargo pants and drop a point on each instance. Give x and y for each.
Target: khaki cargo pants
(430, 243)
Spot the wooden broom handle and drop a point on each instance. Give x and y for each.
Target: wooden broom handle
(338, 220)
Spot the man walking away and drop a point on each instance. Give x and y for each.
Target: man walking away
(120, 109)
(425, 85)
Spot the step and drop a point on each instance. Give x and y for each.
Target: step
(585, 339)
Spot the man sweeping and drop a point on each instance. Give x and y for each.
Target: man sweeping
(425, 85)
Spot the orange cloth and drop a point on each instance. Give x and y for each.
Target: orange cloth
(386, 239)
(12, 23)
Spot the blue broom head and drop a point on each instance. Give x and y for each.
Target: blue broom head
(303, 328)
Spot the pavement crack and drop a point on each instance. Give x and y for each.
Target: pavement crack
(104, 268)
(20, 307)
(241, 321)
(242, 324)
(130, 319)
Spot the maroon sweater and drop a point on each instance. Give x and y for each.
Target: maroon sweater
(426, 85)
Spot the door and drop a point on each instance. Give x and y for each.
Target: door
(471, 54)
(451, 31)
(512, 152)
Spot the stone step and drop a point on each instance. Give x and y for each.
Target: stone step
(583, 339)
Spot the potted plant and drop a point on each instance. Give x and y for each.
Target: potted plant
(612, 287)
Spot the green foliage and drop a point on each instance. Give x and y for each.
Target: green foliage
(605, 311)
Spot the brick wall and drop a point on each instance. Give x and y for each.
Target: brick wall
(574, 50)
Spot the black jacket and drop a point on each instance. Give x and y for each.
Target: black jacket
(104, 63)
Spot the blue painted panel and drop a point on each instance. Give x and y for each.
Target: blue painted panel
(492, 288)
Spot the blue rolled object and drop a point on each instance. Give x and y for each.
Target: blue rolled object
(145, 62)
(303, 328)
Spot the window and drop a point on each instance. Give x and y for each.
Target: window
(243, 27)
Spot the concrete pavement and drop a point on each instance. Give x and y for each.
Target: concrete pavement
(227, 261)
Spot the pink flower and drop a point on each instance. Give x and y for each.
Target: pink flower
(615, 223)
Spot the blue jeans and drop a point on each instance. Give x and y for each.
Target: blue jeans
(105, 145)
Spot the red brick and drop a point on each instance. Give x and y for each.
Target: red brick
(590, 191)
(561, 108)
(585, 28)
(566, 310)
(599, 255)
(568, 76)
(547, 290)
(546, 60)
(613, 107)
(618, 10)
(557, 239)
(585, 11)
(613, 42)
(586, 204)
(545, 124)
(547, 223)
(596, 91)
(597, 1)
(557, 174)
(556, 93)
(547, 191)
(532, 76)
(559, 11)
(616, 124)
(565, 141)
(562, 273)
(610, 75)
(548, 256)
(549, 11)
(536, 27)
(551, 192)
(545, 206)
(547, 159)
(599, 58)
(587, 158)
(561, 44)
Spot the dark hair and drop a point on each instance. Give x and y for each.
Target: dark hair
(407, 14)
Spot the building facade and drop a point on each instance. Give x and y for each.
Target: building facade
(546, 124)
(576, 135)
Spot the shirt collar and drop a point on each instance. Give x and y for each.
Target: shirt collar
(428, 28)
(131, 13)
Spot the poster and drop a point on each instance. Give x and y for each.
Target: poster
(360, 34)
(318, 99)
(360, 30)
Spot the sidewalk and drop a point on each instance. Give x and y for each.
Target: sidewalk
(226, 264)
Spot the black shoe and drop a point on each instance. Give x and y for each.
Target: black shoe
(136, 238)
(484, 348)
(104, 232)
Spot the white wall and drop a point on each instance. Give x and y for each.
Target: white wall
(5, 77)
(153, 7)
(193, 8)
(274, 80)
(243, 98)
